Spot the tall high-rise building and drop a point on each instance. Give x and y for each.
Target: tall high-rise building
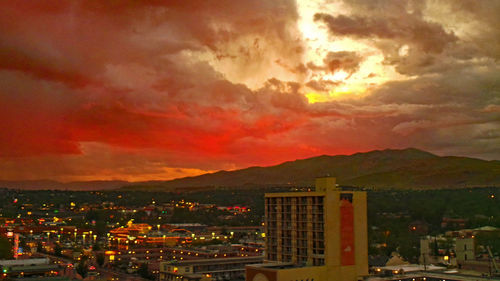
(314, 236)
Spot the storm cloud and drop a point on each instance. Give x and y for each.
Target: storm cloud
(161, 89)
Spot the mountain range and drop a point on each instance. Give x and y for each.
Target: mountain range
(399, 169)
(75, 185)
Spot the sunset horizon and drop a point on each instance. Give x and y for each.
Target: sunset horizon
(193, 173)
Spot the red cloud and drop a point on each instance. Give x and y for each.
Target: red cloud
(98, 89)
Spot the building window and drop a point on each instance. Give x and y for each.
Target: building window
(346, 196)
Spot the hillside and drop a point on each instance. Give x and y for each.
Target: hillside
(76, 185)
(408, 168)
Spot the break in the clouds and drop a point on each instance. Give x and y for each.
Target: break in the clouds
(162, 89)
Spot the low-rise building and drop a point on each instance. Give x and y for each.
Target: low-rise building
(207, 269)
(465, 249)
(28, 268)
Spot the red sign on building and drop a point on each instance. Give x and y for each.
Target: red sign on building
(16, 245)
(346, 232)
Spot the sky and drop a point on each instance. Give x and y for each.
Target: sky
(155, 90)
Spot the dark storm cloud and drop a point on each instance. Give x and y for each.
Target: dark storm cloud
(335, 61)
(451, 101)
(321, 85)
(429, 37)
(129, 88)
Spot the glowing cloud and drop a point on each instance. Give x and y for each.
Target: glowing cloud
(160, 89)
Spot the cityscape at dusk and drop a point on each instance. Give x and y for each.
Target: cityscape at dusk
(249, 140)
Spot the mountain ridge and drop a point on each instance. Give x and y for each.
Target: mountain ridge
(368, 169)
(389, 168)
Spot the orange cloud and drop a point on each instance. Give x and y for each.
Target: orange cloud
(159, 89)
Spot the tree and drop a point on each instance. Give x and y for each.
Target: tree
(100, 259)
(39, 247)
(58, 250)
(82, 267)
(143, 271)
(409, 251)
(491, 239)
(22, 244)
(5, 248)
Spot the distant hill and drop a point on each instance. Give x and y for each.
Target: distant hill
(77, 185)
(401, 169)
(407, 168)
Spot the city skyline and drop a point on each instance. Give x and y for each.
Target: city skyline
(155, 90)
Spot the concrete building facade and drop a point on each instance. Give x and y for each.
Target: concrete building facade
(320, 235)
(207, 269)
(465, 249)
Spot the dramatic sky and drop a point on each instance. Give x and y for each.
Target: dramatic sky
(141, 90)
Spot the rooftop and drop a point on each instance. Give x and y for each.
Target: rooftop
(277, 265)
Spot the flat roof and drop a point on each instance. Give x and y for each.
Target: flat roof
(295, 194)
(307, 193)
(280, 265)
(24, 262)
(433, 275)
(57, 278)
(413, 267)
(33, 268)
(215, 260)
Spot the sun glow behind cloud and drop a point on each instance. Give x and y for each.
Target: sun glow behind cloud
(342, 92)
(371, 73)
(236, 65)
